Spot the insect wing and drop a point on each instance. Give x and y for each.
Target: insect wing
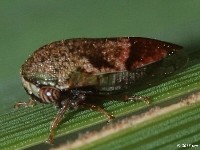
(146, 51)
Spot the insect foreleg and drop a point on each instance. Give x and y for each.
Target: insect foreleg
(56, 121)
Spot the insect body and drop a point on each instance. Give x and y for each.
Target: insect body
(68, 72)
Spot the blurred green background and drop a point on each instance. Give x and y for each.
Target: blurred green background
(27, 25)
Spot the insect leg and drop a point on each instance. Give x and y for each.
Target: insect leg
(126, 97)
(25, 104)
(97, 108)
(56, 121)
(146, 99)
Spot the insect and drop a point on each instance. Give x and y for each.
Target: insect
(68, 72)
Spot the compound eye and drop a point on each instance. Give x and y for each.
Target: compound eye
(49, 94)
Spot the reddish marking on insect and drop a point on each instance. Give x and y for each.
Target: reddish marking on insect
(147, 51)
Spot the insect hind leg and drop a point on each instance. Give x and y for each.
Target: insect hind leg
(99, 109)
(136, 98)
